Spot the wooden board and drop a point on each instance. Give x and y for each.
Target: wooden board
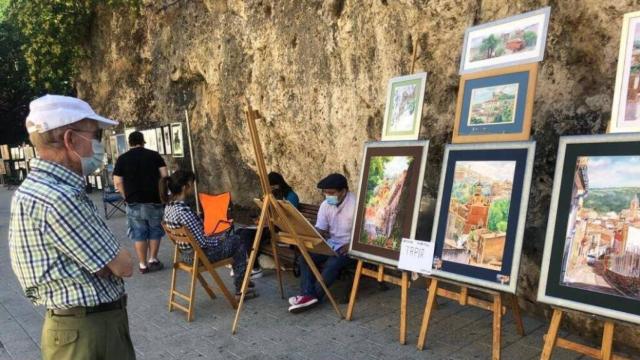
(306, 232)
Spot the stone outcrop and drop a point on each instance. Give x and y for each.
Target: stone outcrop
(318, 70)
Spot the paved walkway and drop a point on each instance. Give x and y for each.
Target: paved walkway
(267, 330)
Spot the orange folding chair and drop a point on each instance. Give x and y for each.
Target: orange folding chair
(216, 212)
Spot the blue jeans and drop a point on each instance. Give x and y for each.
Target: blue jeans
(144, 221)
(330, 268)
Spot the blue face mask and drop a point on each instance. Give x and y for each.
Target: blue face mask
(332, 199)
(94, 162)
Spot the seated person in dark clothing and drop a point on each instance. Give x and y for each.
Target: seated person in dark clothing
(282, 191)
(174, 190)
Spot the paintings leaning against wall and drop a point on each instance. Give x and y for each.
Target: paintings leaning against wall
(591, 259)
(4, 152)
(480, 213)
(177, 140)
(159, 140)
(403, 111)
(495, 105)
(515, 40)
(166, 132)
(388, 199)
(625, 113)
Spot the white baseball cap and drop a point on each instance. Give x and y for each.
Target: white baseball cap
(53, 111)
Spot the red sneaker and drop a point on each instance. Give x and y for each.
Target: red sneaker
(301, 303)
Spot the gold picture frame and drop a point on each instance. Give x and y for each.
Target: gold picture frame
(520, 81)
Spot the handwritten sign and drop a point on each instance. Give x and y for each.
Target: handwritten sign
(416, 255)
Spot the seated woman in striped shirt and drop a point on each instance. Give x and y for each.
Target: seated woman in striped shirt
(174, 190)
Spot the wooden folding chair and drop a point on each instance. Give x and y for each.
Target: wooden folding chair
(200, 264)
(216, 212)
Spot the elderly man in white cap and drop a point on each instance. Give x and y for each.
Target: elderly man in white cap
(62, 252)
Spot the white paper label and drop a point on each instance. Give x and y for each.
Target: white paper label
(416, 255)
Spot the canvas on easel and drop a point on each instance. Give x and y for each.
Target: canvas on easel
(274, 213)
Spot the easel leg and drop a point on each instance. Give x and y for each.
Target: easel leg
(497, 325)
(552, 335)
(252, 260)
(276, 258)
(320, 279)
(403, 307)
(607, 341)
(433, 290)
(516, 314)
(354, 290)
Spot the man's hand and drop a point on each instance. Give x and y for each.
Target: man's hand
(121, 265)
(324, 233)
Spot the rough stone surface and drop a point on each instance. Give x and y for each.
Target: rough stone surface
(317, 71)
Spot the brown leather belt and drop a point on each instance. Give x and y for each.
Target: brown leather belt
(81, 310)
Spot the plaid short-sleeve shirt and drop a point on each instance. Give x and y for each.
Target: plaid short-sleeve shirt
(58, 241)
(177, 214)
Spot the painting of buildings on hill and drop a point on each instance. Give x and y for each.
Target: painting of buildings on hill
(505, 42)
(386, 201)
(478, 214)
(493, 105)
(602, 247)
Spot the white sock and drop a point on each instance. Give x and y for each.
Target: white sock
(143, 266)
(153, 260)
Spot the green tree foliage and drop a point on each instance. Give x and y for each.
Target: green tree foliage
(499, 215)
(376, 175)
(529, 38)
(489, 44)
(41, 43)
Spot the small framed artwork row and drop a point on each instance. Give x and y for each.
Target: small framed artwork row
(403, 111)
(159, 140)
(480, 213)
(177, 140)
(515, 40)
(166, 132)
(388, 199)
(625, 113)
(495, 105)
(591, 260)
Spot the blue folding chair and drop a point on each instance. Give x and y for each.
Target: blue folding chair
(112, 202)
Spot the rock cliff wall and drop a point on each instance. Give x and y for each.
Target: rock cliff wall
(317, 71)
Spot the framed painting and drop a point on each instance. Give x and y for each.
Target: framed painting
(495, 105)
(480, 213)
(127, 132)
(177, 140)
(166, 132)
(121, 144)
(113, 148)
(150, 139)
(4, 150)
(388, 199)
(625, 113)
(591, 260)
(403, 111)
(515, 40)
(159, 140)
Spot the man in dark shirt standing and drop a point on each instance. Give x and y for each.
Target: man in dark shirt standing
(137, 175)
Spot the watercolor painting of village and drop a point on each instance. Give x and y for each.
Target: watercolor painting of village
(386, 199)
(510, 41)
(493, 105)
(405, 103)
(602, 247)
(478, 214)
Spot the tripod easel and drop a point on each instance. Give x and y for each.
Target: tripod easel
(272, 213)
(379, 275)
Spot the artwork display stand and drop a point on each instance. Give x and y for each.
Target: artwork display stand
(551, 340)
(379, 275)
(495, 305)
(272, 214)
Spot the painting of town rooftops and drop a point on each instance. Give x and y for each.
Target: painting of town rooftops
(511, 41)
(592, 251)
(480, 213)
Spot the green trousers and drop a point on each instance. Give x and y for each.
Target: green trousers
(96, 336)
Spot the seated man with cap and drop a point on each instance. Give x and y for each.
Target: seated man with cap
(335, 219)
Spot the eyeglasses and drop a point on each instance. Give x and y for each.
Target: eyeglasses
(97, 134)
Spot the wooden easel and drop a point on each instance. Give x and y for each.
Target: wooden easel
(551, 340)
(463, 298)
(379, 275)
(270, 210)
